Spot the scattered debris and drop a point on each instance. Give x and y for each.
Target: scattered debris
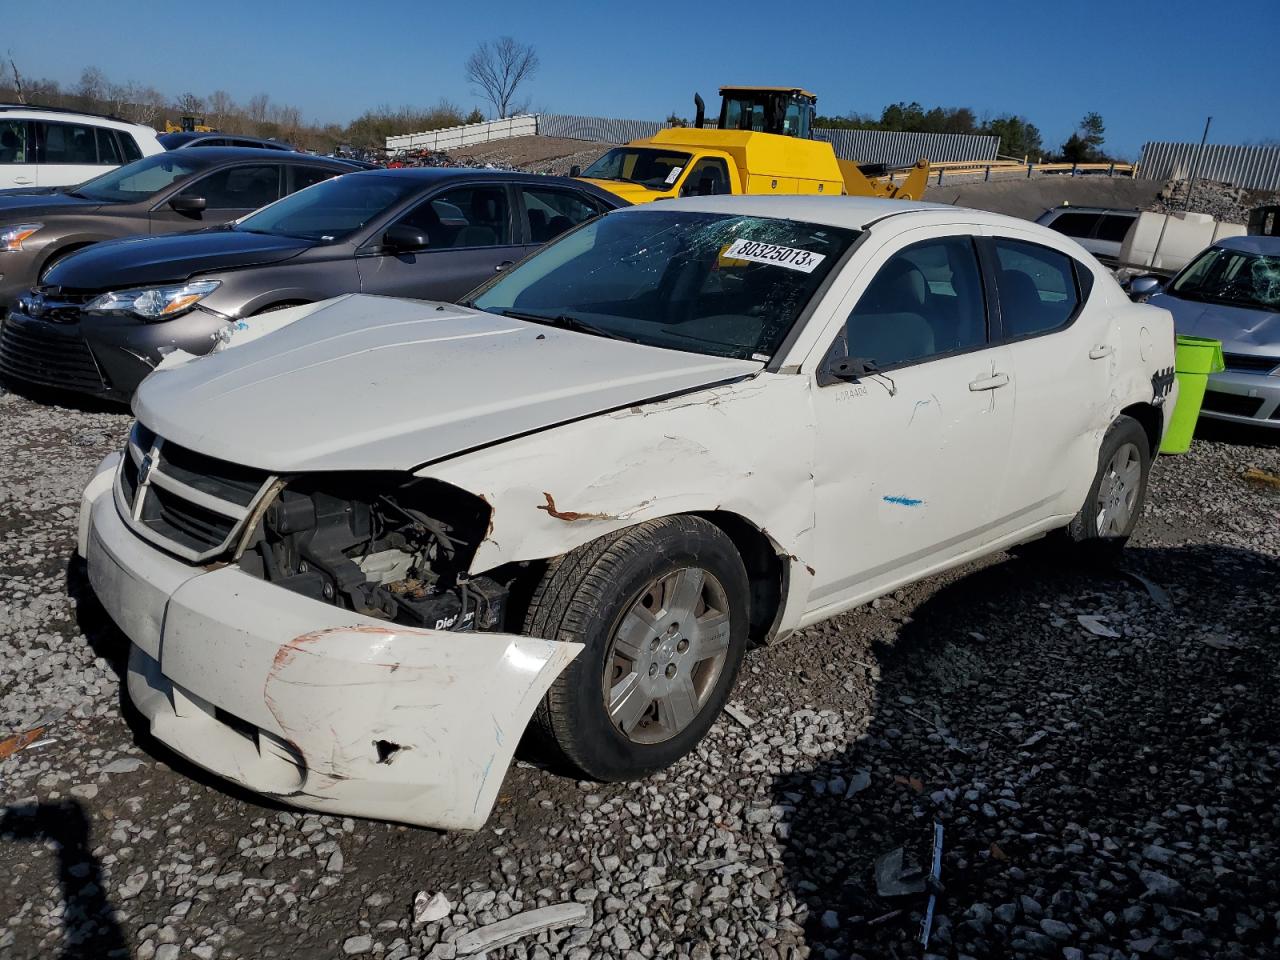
(740, 715)
(915, 783)
(997, 852)
(858, 782)
(892, 880)
(884, 917)
(19, 741)
(934, 885)
(1262, 478)
(1220, 641)
(1097, 626)
(1035, 738)
(521, 925)
(1158, 593)
(430, 909)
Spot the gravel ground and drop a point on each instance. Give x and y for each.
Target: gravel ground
(1102, 796)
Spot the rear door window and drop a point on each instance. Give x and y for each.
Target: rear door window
(128, 147)
(67, 143)
(108, 149)
(302, 177)
(549, 213)
(1075, 224)
(1037, 288)
(1113, 228)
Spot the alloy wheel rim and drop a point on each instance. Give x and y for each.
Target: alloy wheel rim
(1118, 492)
(666, 654)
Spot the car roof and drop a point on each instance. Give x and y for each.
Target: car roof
(854, 213)
(431, 175)
(63, 113)
(1078, 208)
(207, 156)
(188, 136)
(1251, 243)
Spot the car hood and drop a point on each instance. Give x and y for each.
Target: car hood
(375, 383)
(1241, 329)
(630, 192)
(26, 202)
(138, 261)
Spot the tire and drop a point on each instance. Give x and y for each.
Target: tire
(668, 684)
(1111, 510)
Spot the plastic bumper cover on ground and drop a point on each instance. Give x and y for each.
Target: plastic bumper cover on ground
(320, 707)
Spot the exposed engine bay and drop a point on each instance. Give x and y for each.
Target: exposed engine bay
(398, 553)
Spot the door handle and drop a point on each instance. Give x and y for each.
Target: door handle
(503, 265)
(1101, 350)
(993, 382)
(22, 180)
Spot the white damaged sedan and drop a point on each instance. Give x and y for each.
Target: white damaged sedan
(358, 557)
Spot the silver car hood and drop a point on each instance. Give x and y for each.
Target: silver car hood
(1246, 330)
(374, 383)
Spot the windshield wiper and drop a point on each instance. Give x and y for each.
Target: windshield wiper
(565, 322)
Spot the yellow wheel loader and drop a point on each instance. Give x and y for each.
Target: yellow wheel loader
(761, 144)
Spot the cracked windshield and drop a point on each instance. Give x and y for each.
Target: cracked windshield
(729, 286)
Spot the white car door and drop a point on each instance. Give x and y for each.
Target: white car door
(1063, 346)
(908, 457)
(17, 154)
(67, 153)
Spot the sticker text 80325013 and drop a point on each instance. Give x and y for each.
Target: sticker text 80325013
(792, 258)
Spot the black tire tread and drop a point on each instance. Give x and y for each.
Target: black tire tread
(570, 588)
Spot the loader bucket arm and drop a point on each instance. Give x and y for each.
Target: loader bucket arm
(858, 184)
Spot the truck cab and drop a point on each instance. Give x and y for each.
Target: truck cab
(763, 143)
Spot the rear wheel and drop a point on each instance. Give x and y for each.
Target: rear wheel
(662, 611)
(1111, 511)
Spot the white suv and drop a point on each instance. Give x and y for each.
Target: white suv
(53, 147)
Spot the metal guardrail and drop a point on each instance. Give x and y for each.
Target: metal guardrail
(1254, 167)
(451, 138)
(971, 168)
(897, 149)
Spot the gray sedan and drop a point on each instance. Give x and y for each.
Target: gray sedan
(1231, 292)
(101, 319)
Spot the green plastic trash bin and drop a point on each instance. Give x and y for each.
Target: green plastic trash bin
(1194, 359)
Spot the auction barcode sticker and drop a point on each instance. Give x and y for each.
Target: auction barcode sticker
(790, 257)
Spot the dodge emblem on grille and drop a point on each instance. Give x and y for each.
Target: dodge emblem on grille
(32, 306)
(144, 470)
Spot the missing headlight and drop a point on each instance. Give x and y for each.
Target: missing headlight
(382, 547)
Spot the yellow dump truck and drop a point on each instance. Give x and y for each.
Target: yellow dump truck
(761, 144)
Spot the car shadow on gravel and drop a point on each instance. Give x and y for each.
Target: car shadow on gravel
(1108, 795)
(49, 397)
(91, 930)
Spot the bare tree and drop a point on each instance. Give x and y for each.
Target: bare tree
(17, 81)
(220, 108)
(92, 87)
(499, 68)
(190, 105)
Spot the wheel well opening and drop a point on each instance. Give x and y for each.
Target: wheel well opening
(766, 572)
(1152, 421)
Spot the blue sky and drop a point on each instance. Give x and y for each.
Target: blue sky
(1153, 70)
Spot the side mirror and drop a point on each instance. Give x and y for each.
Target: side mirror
(1141, 287)
(188, 206)
(851, 368)
(575, 170)
(402, 238)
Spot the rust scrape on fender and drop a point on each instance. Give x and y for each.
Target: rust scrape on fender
(289, 650)
(570, 516)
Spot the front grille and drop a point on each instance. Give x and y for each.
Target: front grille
(55, 305)
(1245, 363)
(190, 504)
(1234, 404)
(48, 354)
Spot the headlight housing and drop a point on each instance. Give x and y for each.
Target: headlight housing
(12, 237)
(154, 303)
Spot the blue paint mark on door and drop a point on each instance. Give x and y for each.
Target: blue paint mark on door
(904, 501)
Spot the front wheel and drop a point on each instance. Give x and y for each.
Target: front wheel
(662, 611)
